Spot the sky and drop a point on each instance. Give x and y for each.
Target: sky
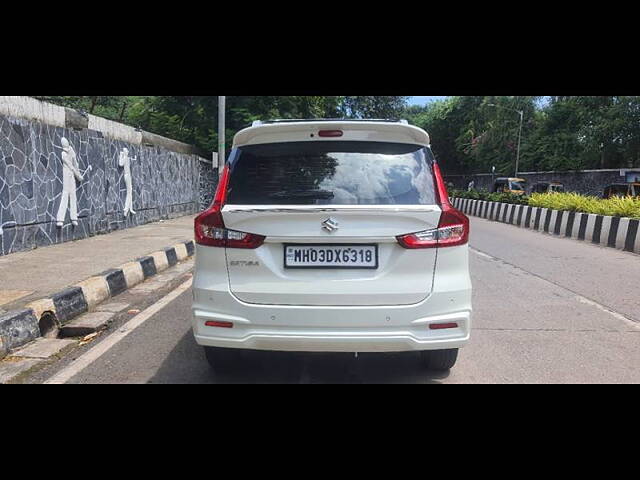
(423, 100)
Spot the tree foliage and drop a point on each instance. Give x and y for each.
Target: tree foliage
(468, 134)
(194, 119)
(112, 107)
(559, 133)
(382, 107)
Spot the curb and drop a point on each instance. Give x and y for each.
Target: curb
(17, 328)
(20, 327)
(612, 232)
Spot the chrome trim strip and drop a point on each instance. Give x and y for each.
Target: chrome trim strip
(327, 208)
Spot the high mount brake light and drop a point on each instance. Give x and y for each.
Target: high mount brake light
(209, 225)
(330, 133)
(453, 227)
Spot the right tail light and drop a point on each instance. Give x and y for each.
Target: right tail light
(453, 227)
(453, 230)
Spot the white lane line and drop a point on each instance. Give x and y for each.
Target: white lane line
(482, 254)
(617, 315)
(579, 297)
(103, 347)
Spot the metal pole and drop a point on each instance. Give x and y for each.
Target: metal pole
(521, 112)
(519, 139)
(221, 133)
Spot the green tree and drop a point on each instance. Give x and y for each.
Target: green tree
(561, 133)
(468, 136)
(373, 107)
(193, 119)
(111, 107)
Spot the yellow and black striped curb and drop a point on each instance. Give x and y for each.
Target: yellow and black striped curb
(19, 327)
(613, 232)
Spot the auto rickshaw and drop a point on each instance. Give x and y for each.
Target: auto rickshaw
(515, 186)
(622, 190)
(547, 187)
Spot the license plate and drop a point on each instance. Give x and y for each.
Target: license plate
(331, 256)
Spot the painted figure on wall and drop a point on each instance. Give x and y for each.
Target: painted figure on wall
(6, 224)
(125, 162)
(70, 173)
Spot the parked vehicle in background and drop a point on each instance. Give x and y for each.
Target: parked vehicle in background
(332, 236)
(515, 186)
(547, 187)
(622, 190)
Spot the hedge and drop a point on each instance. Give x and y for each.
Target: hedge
(573, 202)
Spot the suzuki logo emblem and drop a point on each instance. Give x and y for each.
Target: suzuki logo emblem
(330, 225)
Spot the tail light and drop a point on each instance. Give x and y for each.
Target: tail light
(209, 225)
(453, 228)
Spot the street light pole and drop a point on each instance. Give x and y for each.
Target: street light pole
(521, 113)
(221, 133)
(519, 140)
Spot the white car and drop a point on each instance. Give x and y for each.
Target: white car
(332, 236)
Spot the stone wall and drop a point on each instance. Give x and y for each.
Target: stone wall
(587, 182)
(208, 183)
(166, 183)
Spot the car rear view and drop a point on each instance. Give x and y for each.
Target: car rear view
(332, 237)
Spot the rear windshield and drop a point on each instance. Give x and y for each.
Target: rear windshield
(331, 173)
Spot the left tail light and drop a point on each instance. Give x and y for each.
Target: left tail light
(209, 225)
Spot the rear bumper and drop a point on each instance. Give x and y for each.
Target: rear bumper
(329, 329)
(333, 340)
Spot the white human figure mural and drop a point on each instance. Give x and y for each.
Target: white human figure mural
(125, 162)
(6, 224)
(70, 172)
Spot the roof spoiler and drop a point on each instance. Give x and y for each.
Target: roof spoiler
(257, 123)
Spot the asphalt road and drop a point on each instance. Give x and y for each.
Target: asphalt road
(546, 310)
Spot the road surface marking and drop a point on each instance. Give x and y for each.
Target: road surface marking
(103, 347)
(578, 297)
(617, 315)
(482, 254)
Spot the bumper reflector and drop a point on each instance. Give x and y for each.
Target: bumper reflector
(219, 324)
(442, 326)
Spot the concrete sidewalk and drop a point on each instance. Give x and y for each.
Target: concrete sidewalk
(32, 275)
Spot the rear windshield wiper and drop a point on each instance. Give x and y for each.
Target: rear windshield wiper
(320, 194)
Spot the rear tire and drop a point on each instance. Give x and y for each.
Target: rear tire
(223, 360)
(439, 360)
